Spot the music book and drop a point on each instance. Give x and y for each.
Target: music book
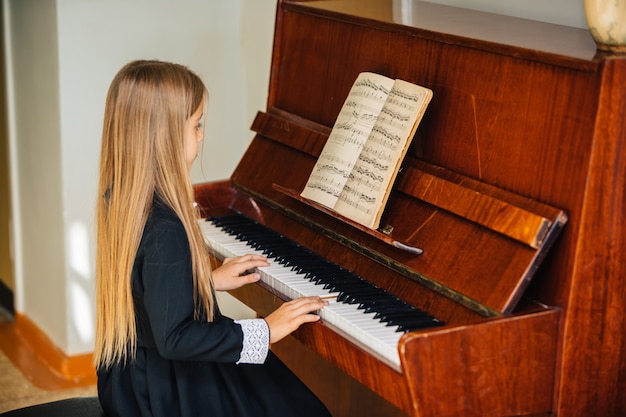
(357, 167)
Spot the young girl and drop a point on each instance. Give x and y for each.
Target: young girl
(162, 347)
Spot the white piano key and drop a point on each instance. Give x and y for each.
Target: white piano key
(370, 333)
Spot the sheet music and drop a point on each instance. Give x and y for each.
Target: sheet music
(360, 160)
(350, 132)
(377, 165)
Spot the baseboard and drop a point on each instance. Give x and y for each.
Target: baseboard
(27, 346)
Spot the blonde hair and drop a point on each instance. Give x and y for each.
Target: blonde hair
(143, 156)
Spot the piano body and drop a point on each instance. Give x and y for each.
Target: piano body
(525, 136)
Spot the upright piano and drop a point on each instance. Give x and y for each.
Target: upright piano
(505, 224)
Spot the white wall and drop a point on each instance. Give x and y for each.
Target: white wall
(35, 157)
(560, 12)
(61, 57)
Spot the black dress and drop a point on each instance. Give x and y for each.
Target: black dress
(185, 367)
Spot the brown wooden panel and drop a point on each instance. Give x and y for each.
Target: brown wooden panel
(539, 114)
(469, 199)
(529, 108)
(503, 367)
(512, 221)
(592, 372)
(455, 251)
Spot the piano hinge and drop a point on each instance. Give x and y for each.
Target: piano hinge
(386, 230)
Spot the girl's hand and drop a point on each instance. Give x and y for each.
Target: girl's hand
(289, 316)
(236, 272)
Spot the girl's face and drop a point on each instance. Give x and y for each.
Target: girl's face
(193, 135)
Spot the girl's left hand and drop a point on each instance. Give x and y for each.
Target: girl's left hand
(236, 272)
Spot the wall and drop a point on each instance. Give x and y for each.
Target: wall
(35, 151)
(6, 266)
(61, 56)
(560, 12)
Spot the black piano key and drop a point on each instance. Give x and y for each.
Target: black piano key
(412, 324)
(393, 310)
(404, 317)
(352, 289)
(422, 326)
(372, 304)
(349, 290)
(339, 286)
(355, 296)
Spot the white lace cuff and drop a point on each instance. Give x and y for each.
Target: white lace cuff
(256, 340)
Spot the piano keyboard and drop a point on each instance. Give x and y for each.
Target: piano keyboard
(365, 313)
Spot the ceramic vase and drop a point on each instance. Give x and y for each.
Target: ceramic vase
(607, 23)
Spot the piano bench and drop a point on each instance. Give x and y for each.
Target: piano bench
(71, 407)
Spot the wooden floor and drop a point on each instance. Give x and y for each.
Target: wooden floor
(24, 380)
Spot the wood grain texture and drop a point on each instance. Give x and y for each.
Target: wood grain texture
(526, 107)
(499, 368)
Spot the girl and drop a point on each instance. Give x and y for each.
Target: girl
(162, 347)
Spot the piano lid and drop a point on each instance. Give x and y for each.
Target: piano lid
(478, 245)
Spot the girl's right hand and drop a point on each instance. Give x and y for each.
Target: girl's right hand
(289, 316)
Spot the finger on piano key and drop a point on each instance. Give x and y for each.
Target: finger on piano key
(355, 307)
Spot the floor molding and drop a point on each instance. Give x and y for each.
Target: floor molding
(43, 363)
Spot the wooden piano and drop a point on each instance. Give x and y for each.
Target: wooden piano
(514, 188)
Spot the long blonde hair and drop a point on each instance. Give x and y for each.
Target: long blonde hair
(143, 156)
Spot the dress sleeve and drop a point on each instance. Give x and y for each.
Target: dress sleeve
(166, 296)
(256, 340)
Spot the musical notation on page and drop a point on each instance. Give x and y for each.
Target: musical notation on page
(371, 135)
